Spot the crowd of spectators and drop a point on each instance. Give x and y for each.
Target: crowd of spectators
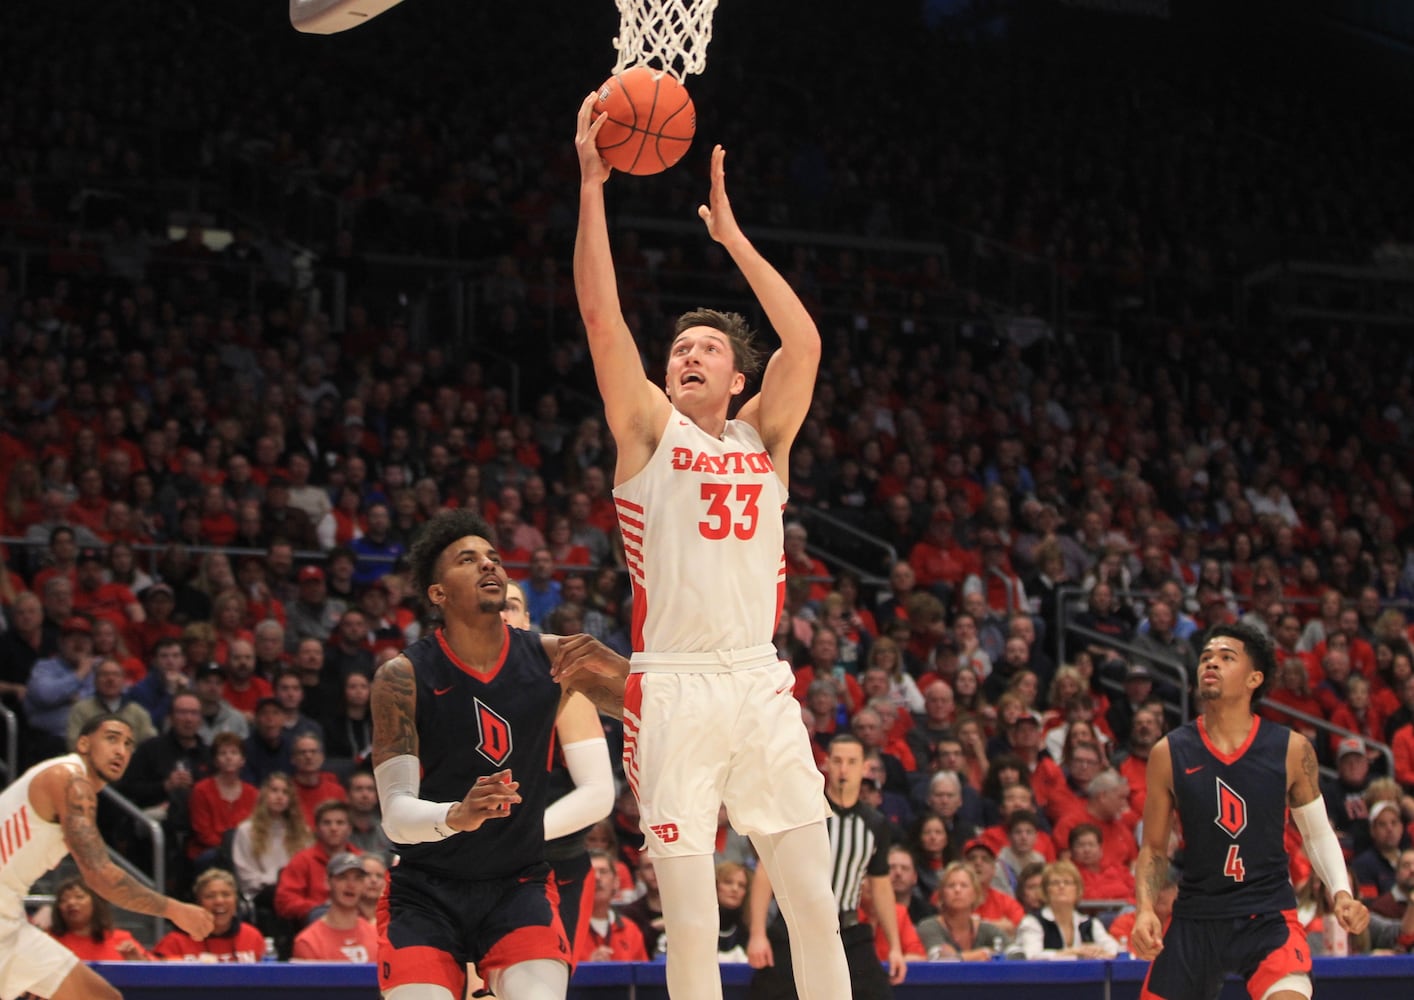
(206, 494)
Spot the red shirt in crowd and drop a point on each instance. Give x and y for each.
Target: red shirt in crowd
(623, 938)
(909, 941)
(245, 701)
(321, 943)
(108, 600)
(304, 883)
(999, 906)
(89, 950)
(996, 838)
(242, 943)
(310, 797)
(1107, 882)
(1136, 772)
(949, 564)
(212, 814)
(1119, 844)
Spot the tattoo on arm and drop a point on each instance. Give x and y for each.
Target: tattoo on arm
(1151, 874)
(394, 704)
(606, 697)
(80, 825)
(1307, 784)
(91, 854)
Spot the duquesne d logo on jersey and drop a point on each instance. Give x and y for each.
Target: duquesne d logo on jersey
(1232, 809)
(493, 734)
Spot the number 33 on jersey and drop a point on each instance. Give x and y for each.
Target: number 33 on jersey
(705, 514)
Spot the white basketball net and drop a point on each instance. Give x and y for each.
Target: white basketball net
(671, 35)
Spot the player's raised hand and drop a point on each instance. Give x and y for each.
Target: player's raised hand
(717, 213)
(192, 919)
(490, 798)
(1352, 914)
(591, 165)
(1147, 938)
(578, 655)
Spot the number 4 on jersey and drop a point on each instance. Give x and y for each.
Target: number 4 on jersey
(722, 519)
(1232, 867)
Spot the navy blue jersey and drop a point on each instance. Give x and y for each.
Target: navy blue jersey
(1233, 810)
(470, 725)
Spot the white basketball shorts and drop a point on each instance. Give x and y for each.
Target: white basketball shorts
(698, 735)
(30, 960)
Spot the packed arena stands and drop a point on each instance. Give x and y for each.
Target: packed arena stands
(268, 302)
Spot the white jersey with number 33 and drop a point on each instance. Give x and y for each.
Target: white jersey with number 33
(704, 541)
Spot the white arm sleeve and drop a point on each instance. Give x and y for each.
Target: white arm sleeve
(1321, 846)
(408, 819)
(593, 795)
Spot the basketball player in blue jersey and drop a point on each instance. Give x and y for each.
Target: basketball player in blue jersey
(462, 727)
(1232, 777)
(709, 719)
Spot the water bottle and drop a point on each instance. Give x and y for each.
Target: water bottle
(271, 954)
(1337, 940)
(997, 953)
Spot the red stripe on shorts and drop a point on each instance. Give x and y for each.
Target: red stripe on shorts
(527, 944)
(1291, 958)
(633, 706)
(418, 964)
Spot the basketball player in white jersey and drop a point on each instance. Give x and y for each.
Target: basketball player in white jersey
(708, 712)
(51, 811)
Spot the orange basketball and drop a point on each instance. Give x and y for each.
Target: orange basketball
(651, 120)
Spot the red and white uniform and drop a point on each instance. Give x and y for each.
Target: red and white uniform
(708, 706)
(704, 541)
(30, 960)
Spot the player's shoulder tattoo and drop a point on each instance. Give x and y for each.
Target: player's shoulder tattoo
(394, 709)
(80, 822)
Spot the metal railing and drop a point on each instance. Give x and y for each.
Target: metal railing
(833, 524)
(11, 764)
(1171, 667)
(1009, 584)
(1331, 728)
(159, 851)
(154, 549)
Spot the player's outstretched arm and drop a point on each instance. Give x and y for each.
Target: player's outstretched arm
(1147, 938)
(634, 408)
(1308, 809)
(76, 805)
(582, 663)
(779, 409)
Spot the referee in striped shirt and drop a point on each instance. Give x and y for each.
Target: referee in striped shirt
(859, 856)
